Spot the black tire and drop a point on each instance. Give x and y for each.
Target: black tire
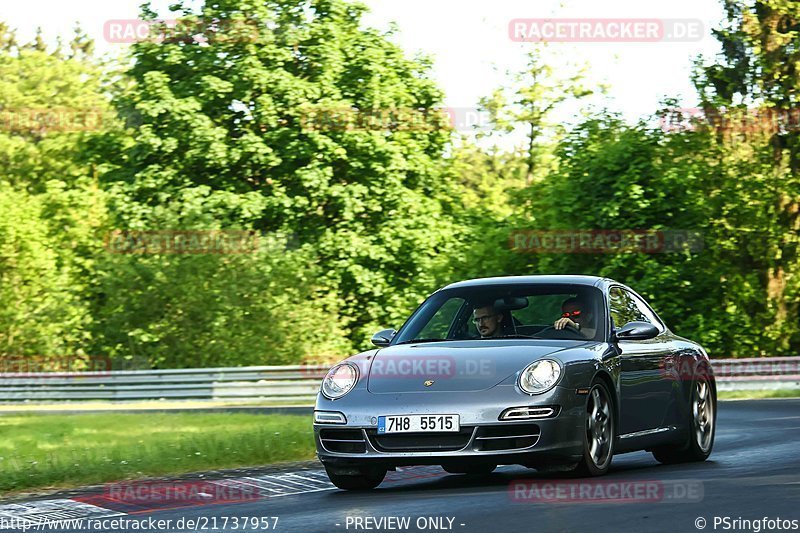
(702, 427)
(366, 479)
(470, 470)
(599, 432)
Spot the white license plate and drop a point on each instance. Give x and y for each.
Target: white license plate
(418, 423)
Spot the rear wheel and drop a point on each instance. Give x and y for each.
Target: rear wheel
(702, 428)
(599, 433)
(470, 470)
(361, 479)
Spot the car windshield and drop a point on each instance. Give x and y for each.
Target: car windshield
(569, 312)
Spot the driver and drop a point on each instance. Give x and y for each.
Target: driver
(488, 321)
(576, 314)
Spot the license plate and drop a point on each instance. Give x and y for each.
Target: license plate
(418, 423)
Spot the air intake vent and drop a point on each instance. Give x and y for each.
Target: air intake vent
(421, 442)
(343, 440)
(506, 437)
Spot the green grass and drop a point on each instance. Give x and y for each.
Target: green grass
(52, 451)
(758, 394)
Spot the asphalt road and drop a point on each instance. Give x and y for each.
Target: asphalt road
(752, 475)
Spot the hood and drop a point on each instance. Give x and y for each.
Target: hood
(460, 366)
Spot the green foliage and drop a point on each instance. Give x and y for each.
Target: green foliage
(207, 310)
(42, 314)
(51, 105)
(758, 200)
(51, 212)
(612, 176)
(529, 102)
(231, 117)
(228, 124)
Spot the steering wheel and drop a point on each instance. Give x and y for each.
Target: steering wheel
(567, 329)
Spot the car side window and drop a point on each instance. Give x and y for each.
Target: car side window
(646, 312)
(439, 324)
(623, 308)
(541, 309)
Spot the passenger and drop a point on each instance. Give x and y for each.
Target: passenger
(575, 313)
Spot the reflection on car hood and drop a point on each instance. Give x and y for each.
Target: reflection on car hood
(455, 365)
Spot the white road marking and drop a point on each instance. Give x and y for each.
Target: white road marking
(253, 482)
(53, 510)
(286, 478)
(286, 484)
(315, 482)
(287, 487)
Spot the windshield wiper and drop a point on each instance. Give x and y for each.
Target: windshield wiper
(412, 341)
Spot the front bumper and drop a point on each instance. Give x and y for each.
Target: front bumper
(483, 438)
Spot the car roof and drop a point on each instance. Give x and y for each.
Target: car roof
(591, 281)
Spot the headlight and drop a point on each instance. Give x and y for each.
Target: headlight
(540, 376)
(339, 381)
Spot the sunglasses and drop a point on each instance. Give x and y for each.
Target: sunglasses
(573, 314)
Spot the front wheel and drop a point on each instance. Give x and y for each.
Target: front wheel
(364, 479)
(599, 433)
(702, 428)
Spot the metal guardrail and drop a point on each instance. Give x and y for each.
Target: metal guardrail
(765, 373)
(284, 383)
(296, 384)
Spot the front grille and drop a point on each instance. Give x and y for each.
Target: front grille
(506, 437)
(343, 440)
(421, 442)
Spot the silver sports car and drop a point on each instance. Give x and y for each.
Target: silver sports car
(550, 372)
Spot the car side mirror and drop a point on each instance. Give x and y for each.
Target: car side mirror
(383, 337)
(637, 331)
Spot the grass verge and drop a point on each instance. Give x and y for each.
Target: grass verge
(758, 394)
(46, 451)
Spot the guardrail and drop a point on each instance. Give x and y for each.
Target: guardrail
(284, 383)
(765, 373)
(290, 384)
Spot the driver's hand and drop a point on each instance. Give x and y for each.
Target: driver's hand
(562, 323)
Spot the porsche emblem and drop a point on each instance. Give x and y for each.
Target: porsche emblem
(429, 383)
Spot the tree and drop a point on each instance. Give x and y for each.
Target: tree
(8, 38)
(755, 77)
(535, 93)
(240, 111)
(53, 211)
(262, 307)
(43, 314)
